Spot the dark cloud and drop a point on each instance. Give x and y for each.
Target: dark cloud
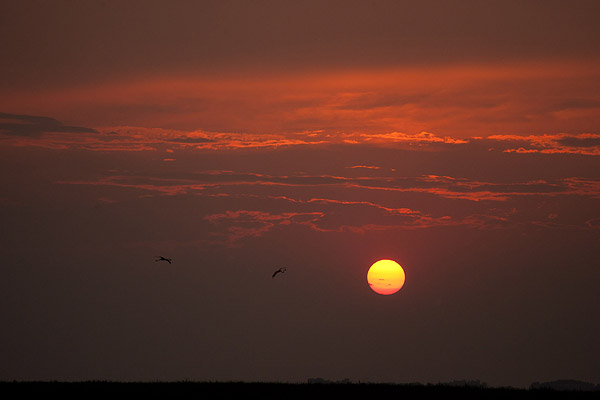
(579, 104)
(572, 141)
(586, 143)
(30, 125)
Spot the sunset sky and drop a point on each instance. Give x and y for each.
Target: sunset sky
(458, 138)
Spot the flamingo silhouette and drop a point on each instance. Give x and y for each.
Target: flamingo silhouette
(280, 270)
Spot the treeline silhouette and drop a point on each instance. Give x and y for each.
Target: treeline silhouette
(274, 390)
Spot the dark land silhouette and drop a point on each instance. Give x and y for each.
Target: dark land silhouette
(314, 387)
(566, 385)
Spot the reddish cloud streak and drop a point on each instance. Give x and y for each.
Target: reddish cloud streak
(585, 143)
(444, 187)
(251, 223)
(395, 208)
(145, 139)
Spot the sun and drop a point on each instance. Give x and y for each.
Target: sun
(385, 277)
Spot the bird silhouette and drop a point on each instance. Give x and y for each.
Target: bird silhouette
(280, 270)
(164, 259)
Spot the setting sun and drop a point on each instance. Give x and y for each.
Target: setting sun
(385, 277)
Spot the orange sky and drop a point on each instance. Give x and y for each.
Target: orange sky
(458, 138)
(458, 101)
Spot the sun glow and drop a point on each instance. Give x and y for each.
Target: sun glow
(386, 277)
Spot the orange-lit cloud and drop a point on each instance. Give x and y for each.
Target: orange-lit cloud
(364, 166)
(417, 139)
(39, 131)
(584, 143)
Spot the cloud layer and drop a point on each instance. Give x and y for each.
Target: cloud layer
(29, 125)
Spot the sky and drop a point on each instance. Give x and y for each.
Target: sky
(458, 138)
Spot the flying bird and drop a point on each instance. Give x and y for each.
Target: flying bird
(164, 259)
(282, 270)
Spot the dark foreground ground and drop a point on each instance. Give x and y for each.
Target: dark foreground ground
(216, 390)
